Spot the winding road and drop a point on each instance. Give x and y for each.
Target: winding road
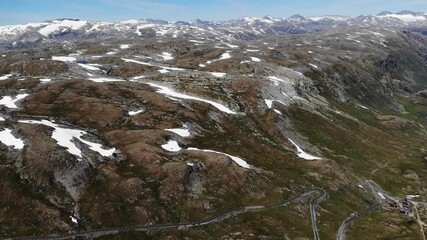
(218, 218)
(376, 190)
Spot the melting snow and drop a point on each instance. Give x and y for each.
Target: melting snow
(166, 56)
(132, 113)
(252, 50)
(218, 74)
(101, 80)
(224, 56)
(90, 67)
(45, 80)
(269, 103)
(10, 102)
(255, 59)
(64, 58)
(169, 92)
(171, 146)
(2, 119)
(73, 219)
(179, 131)
(8, 139)
(65, 137)
(124, 46)
(59, 24)
(231, 46)
(237, 160)
(5, 77)
(202, 65)
(163, 71)
(313, 65)
(303, 154)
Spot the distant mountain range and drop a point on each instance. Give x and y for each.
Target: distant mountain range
(247, 28)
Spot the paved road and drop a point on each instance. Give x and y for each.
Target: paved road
(214, 219)
(313, 205)
(375, 189)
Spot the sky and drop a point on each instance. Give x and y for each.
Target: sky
(24, 11)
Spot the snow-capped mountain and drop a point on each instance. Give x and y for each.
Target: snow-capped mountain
(15, 36)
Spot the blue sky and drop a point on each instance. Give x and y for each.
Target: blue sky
(23, 11)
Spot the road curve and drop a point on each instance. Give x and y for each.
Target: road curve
(313, 205)
(375, 191)
(213, 219)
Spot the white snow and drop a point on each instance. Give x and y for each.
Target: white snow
(218, 74)
(104, 79)
(65, 137)
(231, 46)
(149, 64)
(276, 79)
(171, 146)
(73, 219)
(224, 56)
(8, 139)
(255, 59)
(202, 65)
(138, 77)
(45, 80)
(360, 186)
(132, 113)
(404, 17)
(179, 131)
(195, 41)
(269, 102)
(235, 159)
(2, 119)
(252, 50)
(5, 77)
(166, 56)
(124, 46)
(10, 102)
(303, 154)
(64, 58)
(381, 195)
(315, 66)
(277, 111)
(111, 53)
(169, 92)
(163, 71)
(62, 25)
(90, 67)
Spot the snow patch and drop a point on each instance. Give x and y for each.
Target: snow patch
(64, 58)
(65, 137)
(45, 80)
(169, 92)
(90, 67)
(7, 138)
(166, 56)
(235, 159)
(10, 102)
(133, 113)
(124, 46)
(218, 74)
(5, 77)
(303, 154)
(171, 146)
(103, 79)
(183, 132)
